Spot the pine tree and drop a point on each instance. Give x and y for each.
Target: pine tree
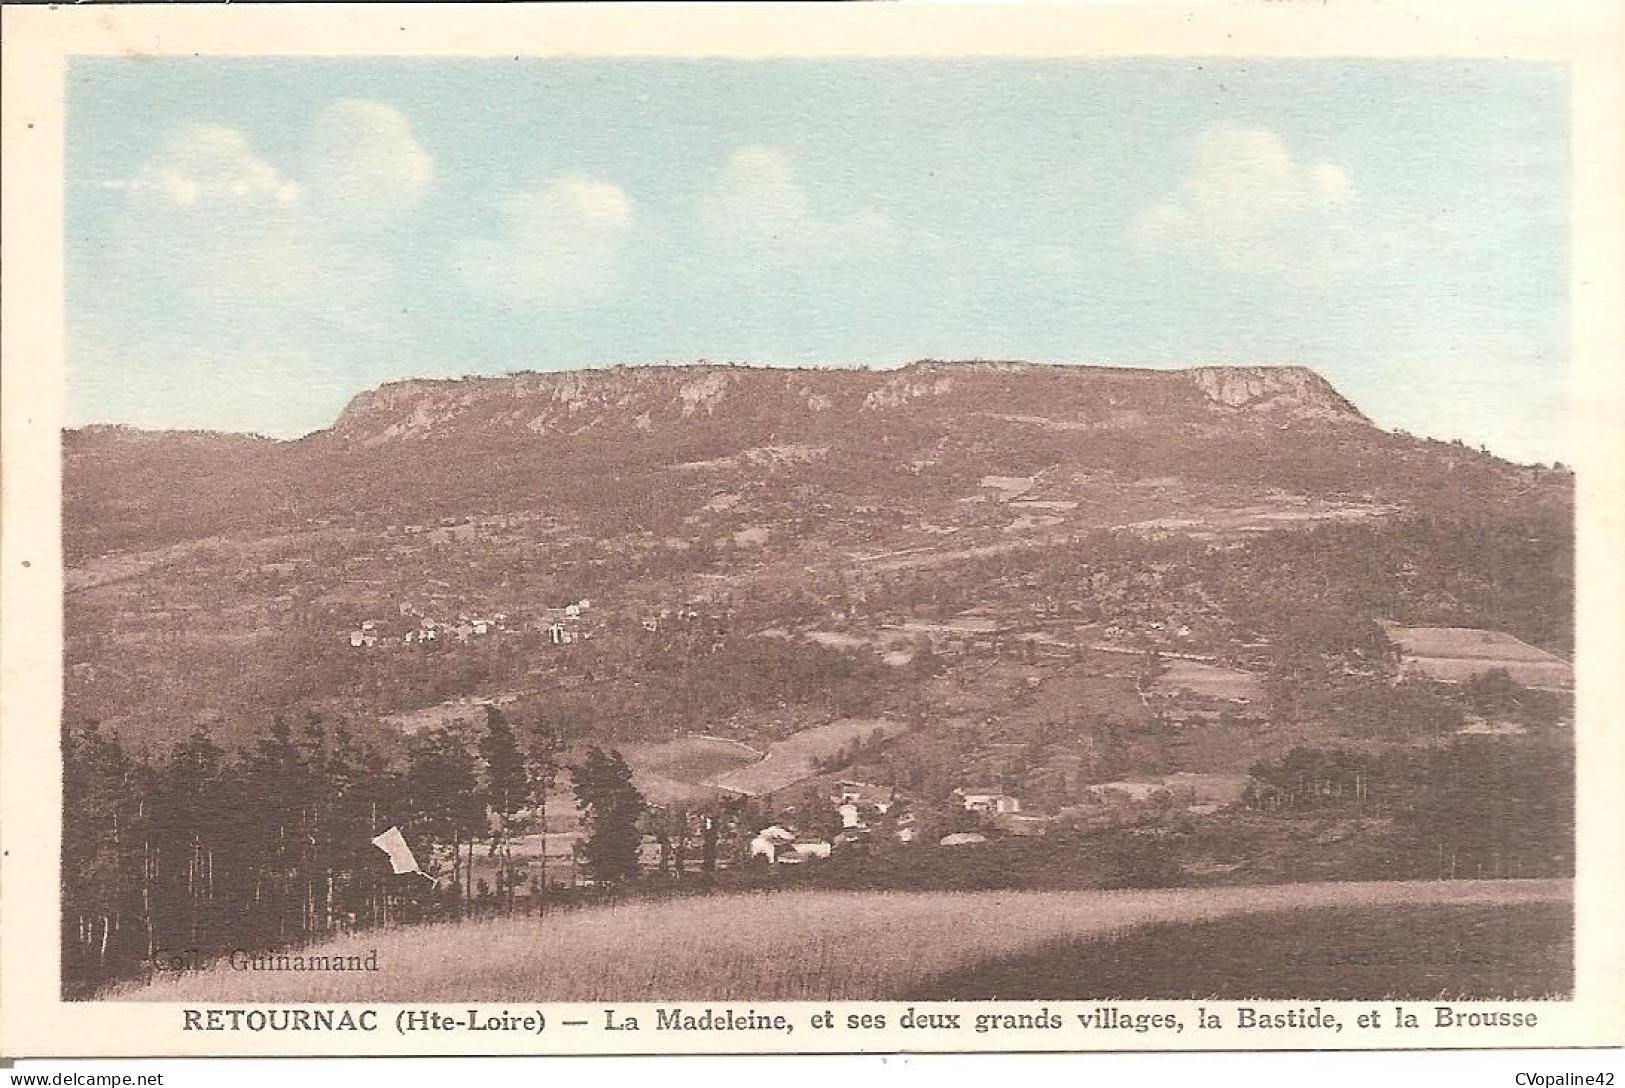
(101, 788)
(507, 789)
(188, 823)
(442, 797)
(611, 805)
(543, 747)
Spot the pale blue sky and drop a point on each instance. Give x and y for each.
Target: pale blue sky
(251, 242)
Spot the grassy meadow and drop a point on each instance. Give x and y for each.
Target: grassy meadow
(1519, 951)
(823, 945)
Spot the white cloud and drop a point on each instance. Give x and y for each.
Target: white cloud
(755, 211)
(1251, 206)
(563, 245)
(231, 232)
(207, 166)
(365, 164)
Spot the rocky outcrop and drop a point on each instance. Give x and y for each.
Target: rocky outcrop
(1292, 390)
(647, 399)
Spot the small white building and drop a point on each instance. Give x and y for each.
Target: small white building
(987, 799)
(803, 850)
(904, 831)
(879, 798)
(769, 841)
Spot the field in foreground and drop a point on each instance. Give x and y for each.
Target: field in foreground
(819, 945)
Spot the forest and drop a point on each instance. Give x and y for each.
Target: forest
(199, 853)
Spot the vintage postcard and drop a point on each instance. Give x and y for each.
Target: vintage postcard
(625, 529)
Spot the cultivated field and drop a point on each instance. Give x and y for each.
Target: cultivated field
(1457, 654)
(791, 760)
(797, 945)
(683, 770)
(1208, 681)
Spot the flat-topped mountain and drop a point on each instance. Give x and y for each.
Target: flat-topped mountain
(640, 448)
(646, 399)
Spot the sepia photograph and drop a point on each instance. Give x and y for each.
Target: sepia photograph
(1021, 539)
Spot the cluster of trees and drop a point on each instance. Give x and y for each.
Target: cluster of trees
(857, 750)
(1508, 573)
(198, 852)
(1476, 807)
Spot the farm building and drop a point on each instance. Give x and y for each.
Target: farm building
(804, 849)
(904, 832)
(858, 802)
(782, 846)
(987, 799)
(862, 793)
(769, 841)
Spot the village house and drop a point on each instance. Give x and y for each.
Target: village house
(862, 793)
(803, 849)
(986, 799)
(782, 846)
(859, 802)
(904, 828)
(769, 841)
